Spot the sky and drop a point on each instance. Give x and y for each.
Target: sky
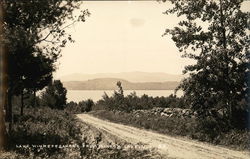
(122, 36)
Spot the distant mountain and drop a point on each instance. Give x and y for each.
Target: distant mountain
(129, 76)
(110, 84)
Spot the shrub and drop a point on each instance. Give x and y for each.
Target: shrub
(81, 107)
(86, 105)
(54, 95)
(44, 126)
(132, 102)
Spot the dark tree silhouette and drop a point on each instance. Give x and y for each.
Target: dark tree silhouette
(37, 80)
(119, 85)
(30, 27)
(89, 105)
(55, 95)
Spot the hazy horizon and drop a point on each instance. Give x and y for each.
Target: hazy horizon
(123, 36)
(73, 73)
(128, 76)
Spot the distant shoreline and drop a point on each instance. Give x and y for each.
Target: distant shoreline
(123, 89)
(110, 84)
(133, 77)
(95, 95)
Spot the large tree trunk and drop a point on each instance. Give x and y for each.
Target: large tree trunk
(3, 88)
(226, 58)
(3, 103)
(9, 112)
(22, 103)
(3, 134)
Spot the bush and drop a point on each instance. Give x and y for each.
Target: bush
(44, 126)
(73, 108)
(132, 102)
(81, 107)
(86, 105)
(54, 95)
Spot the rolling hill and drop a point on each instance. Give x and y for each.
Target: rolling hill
(110, 84)
(129, 76)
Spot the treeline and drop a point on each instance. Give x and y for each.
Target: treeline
(133, 102)
(53, 96)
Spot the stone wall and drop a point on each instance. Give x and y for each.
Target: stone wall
(166, 112)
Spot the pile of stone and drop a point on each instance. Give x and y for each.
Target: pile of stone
(166, 112)
(138, 113)
(177, 112)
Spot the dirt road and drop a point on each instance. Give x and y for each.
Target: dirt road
(167, 146)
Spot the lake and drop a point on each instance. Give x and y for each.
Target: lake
(95, 95)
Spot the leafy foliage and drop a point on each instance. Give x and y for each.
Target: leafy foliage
(25, 26)
(220, 47)
(34, 33)
(133, 102)
(43, 127)
(55, 95)
(81, 107)
(89, 104)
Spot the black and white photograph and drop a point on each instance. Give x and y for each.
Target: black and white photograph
(120, 79)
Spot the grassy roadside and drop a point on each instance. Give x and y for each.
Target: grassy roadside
(50, 133)
(186, 127)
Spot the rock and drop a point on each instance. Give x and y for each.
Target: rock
(158, 109)
(177, 110)
(168, 111)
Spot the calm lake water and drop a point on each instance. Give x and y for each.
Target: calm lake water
(95, 95)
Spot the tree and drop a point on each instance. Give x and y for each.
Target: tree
(89, 105)
(30, 74)
(214, 34)
(119, 99)
(37, 80)
(120, 91)
(3, 84)
(55, 95)
(86, 105)
(35, 31)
